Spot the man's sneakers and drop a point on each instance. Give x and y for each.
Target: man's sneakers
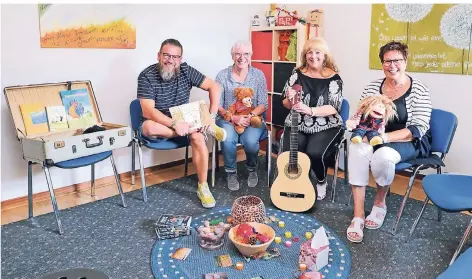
(217, 132)
(205, 196)
(232, 180)
(252, 179)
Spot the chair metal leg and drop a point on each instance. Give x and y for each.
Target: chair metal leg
(186, 161)
(213, 162)
(346, 167)
(53, 198)
(133, 162)
(216, 149)
(462, 242)
(413, 228)
(141, 171)
(439, 171)
(269, 157)
(92, 180)
(117, 178)
(335, 178)
(405, 198)
(30, 189)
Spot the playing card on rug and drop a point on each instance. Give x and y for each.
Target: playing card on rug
(224, 260)
(181, 253)
(217, 275)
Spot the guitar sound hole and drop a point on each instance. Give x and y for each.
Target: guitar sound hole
(292, 172)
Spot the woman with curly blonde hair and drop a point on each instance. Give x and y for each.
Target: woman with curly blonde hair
(320, 125)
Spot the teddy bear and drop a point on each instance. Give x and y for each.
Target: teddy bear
(372, 115)
(243, 106)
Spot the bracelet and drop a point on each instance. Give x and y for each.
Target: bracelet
(213, 115)
(174, 122)
(313, 111)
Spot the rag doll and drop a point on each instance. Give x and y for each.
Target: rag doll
(370, 119)
(243, 106)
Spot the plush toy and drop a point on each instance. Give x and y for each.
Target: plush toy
(370, 119)
(243, 106)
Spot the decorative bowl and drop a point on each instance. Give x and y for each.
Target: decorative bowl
(248, 249)
(248, 209)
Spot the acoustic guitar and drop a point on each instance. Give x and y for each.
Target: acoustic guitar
(292, 189)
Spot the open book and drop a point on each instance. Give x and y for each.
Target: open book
(196, 114)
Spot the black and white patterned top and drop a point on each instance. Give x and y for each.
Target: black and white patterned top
(316, 92)
(171, 93)
(255, 79)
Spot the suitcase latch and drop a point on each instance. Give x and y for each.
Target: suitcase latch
(121, 133)
(59, 144)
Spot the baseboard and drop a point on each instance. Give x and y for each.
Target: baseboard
(85, 186)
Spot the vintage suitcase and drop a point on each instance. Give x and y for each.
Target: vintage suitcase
(53, 147)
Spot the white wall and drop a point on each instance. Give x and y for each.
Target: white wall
(207, 32)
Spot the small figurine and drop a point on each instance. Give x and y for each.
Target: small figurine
(370, 119)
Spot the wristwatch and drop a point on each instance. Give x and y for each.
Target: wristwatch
(213, 115)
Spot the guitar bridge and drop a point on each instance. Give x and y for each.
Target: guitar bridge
(292, 195)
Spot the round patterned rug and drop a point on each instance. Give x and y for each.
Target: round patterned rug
(200, 262)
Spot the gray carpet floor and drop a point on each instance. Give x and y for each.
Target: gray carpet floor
(105, 236)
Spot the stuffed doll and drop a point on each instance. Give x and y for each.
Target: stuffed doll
(370, 119)
(243, 106)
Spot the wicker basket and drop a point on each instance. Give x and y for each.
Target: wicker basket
(248, 209)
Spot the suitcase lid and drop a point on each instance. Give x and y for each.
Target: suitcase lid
(47, 93)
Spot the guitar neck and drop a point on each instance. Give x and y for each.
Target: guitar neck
(293, 158)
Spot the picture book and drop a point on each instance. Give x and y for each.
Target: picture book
(78, 107)
(193, 113)
(57, 118)
(34, 118)
(176, 221)
(181, 253)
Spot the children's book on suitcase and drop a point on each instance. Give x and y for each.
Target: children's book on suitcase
(57, 122)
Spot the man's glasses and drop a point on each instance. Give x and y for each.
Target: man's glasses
(167, 56)
(394, 61)
(245, 55)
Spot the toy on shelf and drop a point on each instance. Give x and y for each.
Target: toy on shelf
(314, 24)
(284, 42)
(370, 119)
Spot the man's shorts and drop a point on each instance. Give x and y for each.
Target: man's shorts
(178, 140)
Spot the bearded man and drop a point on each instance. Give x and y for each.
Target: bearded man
(166, 84)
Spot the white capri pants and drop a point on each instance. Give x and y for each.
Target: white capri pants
(382, 163)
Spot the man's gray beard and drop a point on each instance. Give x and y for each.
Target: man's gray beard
(166, 76)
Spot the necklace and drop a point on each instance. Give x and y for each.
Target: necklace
(392, 92)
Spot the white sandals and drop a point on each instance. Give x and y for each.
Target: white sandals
(357, 228)
(377, 216)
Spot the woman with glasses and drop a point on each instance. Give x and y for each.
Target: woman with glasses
(320, 125)
(241, 74)
(406, 137)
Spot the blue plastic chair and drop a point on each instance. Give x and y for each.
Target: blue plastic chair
(443, 126)
(90, 160)
(175, 143)
(460, 269)
(451, 193)
(342, 144)
(266, 135)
